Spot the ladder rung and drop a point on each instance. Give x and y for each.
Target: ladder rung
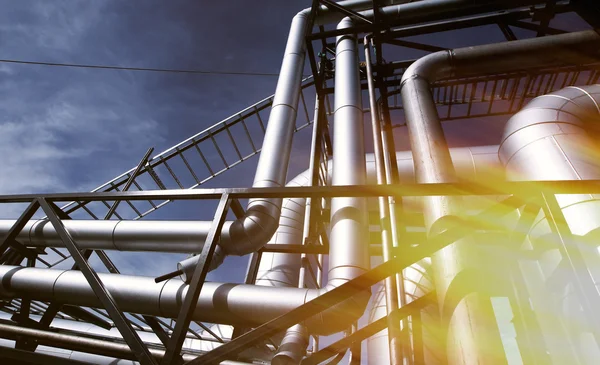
(219, 151)
(204, 159)
(172, 173)
(235, 147)
(248, 135)
(189, 167)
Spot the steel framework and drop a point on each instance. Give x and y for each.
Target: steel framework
(468, 90)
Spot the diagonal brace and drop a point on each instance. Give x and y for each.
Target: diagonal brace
(367, 331)
(351, 13)
(129, 335)
(195, 286)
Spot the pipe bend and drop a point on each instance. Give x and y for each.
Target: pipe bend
(563, 111)
(430, 68)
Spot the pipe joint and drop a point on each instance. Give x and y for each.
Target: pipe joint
(430, 68)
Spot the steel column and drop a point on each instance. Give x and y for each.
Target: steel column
(391, 292)
(584, 283)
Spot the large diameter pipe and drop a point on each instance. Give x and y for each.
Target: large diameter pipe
(251, 232)
(555, 137)
(475, 331)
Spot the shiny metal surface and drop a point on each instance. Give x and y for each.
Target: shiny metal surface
(471, 327)
(293, 346)
(554, 137)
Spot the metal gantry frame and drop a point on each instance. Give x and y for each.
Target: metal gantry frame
(532, 194)
(468, 94)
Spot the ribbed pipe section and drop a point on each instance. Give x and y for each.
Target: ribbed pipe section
(463, 296)
(555, 137)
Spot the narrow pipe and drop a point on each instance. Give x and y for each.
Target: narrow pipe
(391, 293)
(249, 233)
(418, 283)
(475, 330)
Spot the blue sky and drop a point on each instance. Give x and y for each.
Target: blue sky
(66, 129)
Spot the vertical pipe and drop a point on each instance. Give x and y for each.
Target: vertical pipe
(391, 294)
(472, 336)
(294, 344)
(348, 254)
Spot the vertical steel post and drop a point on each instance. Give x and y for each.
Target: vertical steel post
(583, 281)
(391, 294)
(198, 278)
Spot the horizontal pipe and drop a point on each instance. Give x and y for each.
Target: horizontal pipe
(189, 236)
(218, 303)
(471, 326)
(78, 343)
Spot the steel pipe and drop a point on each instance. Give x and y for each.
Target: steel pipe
(476, 331)
(555, 137)
(390, 283)
(78, 343)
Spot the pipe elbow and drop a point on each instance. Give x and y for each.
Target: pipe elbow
(430, 68)
(346, 22)
(572, 109)
(250, 233)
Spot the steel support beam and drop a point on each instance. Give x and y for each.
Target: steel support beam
(414, 45)
(333, 297)
(351, 13)
(129, 335)
(519, 188)
(9, 239)
(367, 331)
(200, 272)
(568, 247)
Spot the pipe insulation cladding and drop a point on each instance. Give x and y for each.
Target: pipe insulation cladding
(555, 137)
(249, 233)
(473, 335)
(220, 303)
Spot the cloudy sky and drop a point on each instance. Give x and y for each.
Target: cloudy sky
(69, 129)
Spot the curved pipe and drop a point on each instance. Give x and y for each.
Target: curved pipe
(472, 327)
(218, 303)
(426, 135)
(555, 137)
(251, 232)
(549, 139)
